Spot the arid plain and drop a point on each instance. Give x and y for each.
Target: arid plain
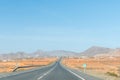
(9, 66)
(105, 68)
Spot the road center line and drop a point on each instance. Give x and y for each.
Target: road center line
(46, 73)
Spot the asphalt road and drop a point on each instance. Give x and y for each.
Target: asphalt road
(51, 72)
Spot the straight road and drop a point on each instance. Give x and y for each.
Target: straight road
(52, 72)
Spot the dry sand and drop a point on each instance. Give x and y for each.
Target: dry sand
(8, 66)
(106, 68)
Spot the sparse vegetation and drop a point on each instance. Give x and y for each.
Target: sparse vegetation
(112, 74)
(106, 68)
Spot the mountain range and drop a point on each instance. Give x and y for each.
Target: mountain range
(94, 51)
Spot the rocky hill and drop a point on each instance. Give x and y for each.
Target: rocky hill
(95, 50)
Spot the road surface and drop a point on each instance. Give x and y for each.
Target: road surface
(51, 72)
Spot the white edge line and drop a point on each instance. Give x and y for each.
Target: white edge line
(75, 74)
(72, 72)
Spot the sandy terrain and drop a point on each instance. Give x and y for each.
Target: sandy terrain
(102, 67)
(8, 66)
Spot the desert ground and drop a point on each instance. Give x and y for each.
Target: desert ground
(9, 66)
(105, 68)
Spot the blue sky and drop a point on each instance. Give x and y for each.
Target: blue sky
(75, 25)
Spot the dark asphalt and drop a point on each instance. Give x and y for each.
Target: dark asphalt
(52, 72)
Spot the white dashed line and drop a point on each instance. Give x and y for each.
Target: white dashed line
(46, 73)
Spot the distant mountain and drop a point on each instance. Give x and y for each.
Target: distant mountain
(113, 53)
(57, 53)
(37, 54)
(95, 50)
(17, 55)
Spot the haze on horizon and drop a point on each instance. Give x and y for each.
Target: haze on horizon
(28, 25)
